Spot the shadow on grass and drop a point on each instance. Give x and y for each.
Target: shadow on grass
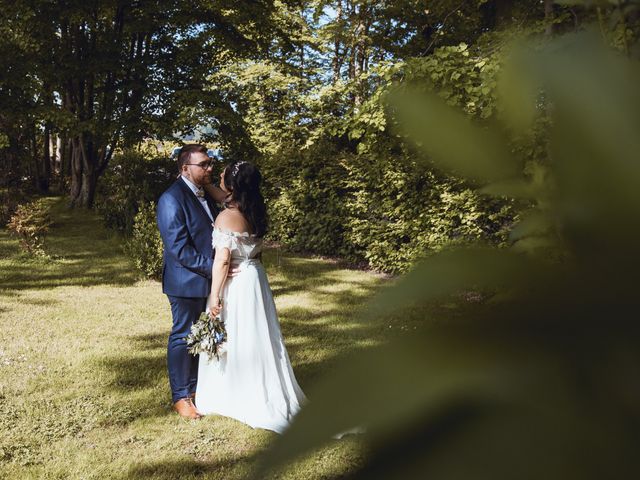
(332, 328)
(133, 373)
(147, 368)
(43, 302)
(150, 341)
(330, 323)
(171, 470)
(83, 251)
(317, 337)
(139, 380)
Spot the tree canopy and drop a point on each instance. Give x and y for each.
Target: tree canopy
(270, 80)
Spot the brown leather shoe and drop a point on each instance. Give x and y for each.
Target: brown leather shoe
(192, 396)
(186, 409)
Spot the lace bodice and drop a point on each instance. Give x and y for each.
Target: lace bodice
(242, 245)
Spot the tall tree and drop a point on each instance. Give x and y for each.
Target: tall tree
(108, 73)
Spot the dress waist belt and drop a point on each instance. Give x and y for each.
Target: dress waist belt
(246, 262)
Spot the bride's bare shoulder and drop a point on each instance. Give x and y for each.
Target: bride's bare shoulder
(231, 220)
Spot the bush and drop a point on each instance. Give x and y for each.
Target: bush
(399, 212)
(308, 211)
(133, 177)
(145, 244)
(9, 201)
(357, 188)
(30, 223)
(378, 206)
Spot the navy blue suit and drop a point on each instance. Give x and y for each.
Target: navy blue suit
(186, 232)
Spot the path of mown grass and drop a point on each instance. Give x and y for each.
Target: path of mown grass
(83, 388)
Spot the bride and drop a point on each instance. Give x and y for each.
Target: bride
(253, 381)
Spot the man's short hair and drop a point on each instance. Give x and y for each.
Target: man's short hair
(185, 153)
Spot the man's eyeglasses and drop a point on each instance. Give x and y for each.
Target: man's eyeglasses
(203, 165)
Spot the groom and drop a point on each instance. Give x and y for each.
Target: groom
(185, 220)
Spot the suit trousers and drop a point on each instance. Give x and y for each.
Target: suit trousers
(182, 366)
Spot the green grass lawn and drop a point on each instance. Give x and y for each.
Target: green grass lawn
(83, 384)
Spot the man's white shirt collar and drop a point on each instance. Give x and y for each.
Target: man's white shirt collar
(202, 200)
(194, 188)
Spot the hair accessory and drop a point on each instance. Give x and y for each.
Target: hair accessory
(236, 167)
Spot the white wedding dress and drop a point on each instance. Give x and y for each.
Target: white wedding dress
(253, 381)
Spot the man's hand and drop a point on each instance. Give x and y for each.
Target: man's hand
(233, 271)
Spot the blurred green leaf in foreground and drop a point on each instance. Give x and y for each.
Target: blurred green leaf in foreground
(541, 380)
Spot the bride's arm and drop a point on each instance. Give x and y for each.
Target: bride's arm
(220, 268)
(215, 192)
(218, 277)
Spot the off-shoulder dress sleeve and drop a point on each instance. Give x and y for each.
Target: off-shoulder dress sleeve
(222, 240)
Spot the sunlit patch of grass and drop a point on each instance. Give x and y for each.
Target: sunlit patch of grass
(83, 385)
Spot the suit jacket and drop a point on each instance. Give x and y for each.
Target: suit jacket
(186, 231)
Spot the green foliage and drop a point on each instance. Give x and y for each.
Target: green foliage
(145, 245)
(133, 176)
(126, 201)
(9, 201)
(308, 210)
(340, 178)
(377, 207)
(30, 223)
(464, 76)
(522, 375)
(400, 212)
(348, 184)
(371, 193)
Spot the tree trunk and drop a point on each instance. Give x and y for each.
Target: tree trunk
(76, 172)
(45, 177)
(496, 14)
(337, 56)
(55, 154)
(65, 155)
(87, 166)
(12, 164)
(36, 161)
(359, 53)
(88, 189)
(352, 47)
(548, 16)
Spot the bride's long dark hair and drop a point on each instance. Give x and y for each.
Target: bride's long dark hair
(243, 180)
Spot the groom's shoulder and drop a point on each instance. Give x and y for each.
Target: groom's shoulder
(172, 194)
(173, 191)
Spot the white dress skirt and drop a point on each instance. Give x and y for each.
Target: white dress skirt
(253, 381)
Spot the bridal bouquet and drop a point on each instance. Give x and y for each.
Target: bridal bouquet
(208, 335)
